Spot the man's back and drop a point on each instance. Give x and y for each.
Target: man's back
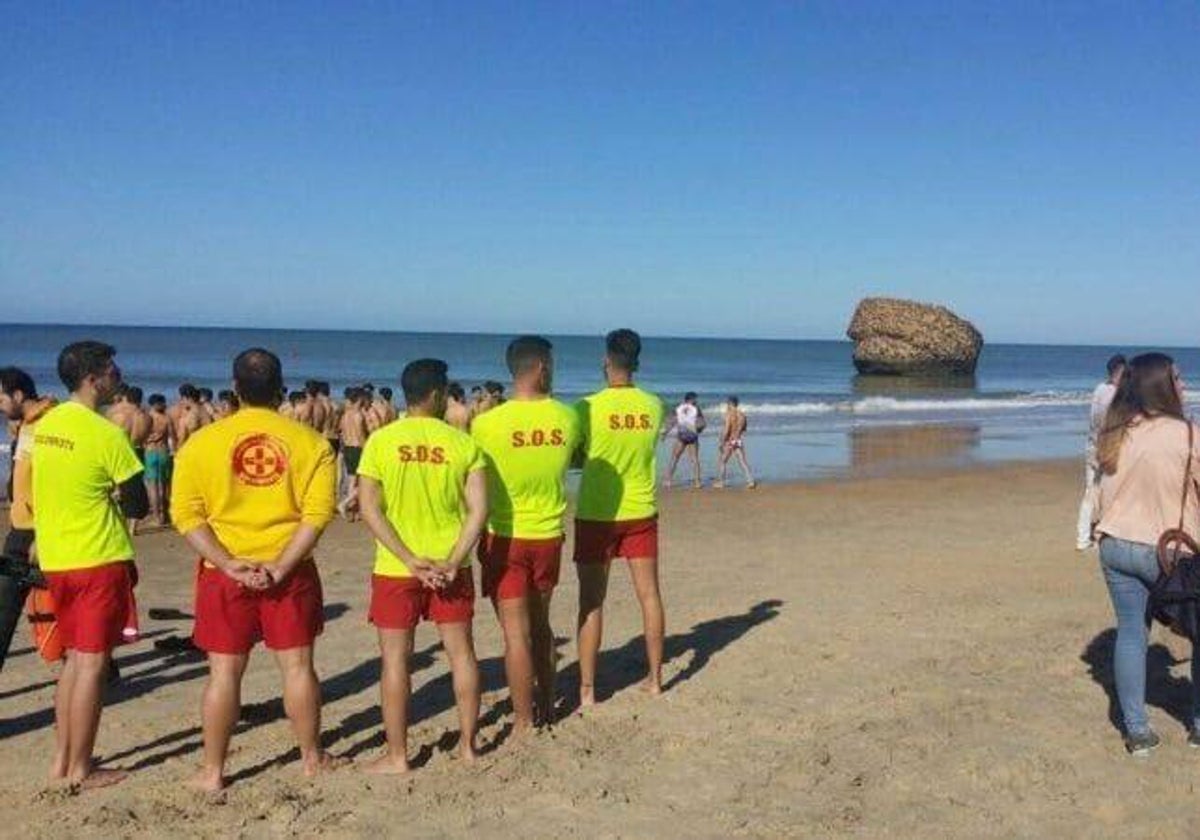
(79, 457)
(421, 464)
(254, 477)
(620, 427)
(529, 445)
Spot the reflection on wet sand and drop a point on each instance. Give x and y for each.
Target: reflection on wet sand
(876, 449)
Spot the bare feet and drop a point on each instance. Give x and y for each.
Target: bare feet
(387, 765)
(99, 779)
(323, 762)
(58, 769)
(208, 781)
(652, 686)
(587, 696)
(467, 752)
(718, 484)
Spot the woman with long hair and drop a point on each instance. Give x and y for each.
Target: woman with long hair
(1143, 455)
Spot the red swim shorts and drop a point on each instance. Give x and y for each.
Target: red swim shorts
(599, 542)
(514, 567)
(231, 618)
(400, 603)
(95, 607)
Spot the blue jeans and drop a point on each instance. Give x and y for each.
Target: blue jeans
(1129, 570)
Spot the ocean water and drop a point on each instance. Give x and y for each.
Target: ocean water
(810, 415)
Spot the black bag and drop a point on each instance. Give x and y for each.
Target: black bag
(1175, 596)
(17, 577)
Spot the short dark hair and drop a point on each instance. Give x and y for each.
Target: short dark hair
(455, 391)
(350, 393)
(323, 388)
(205, 393)
(134, 393)
(422, 378)
(258, 377)
(312, 387)
(525, 351)
(733, 400)
(385, 392)
(296, 397)
(623, 348)
(157, 399)
(188, 391)
(1116, 363)
(227, 396)
(476, 389)
(493, 387)
(690, 396)
(14, 379)
(82, 359)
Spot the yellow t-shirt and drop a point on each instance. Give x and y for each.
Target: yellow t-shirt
(254, 477)
(528, 445)
(78, 460)
(421, 464)
(21, 512)
(620, 429)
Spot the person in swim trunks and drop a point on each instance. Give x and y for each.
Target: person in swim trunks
(84, 549)
(158, 458)
(732, 444)
(424, 499)
(617, 511)
(354, 430)
(687, 423)
(252, 496)
(128, 414)
(529, 442)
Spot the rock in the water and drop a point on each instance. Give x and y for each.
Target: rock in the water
(902, 337)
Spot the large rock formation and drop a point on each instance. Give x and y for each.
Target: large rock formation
(902, 337)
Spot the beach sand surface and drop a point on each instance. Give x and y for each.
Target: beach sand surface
(905, 657)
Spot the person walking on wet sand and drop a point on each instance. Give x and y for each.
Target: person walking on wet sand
(251, 496)
(687, 423)
(733, 444)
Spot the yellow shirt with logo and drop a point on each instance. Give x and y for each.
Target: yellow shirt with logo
(421, 464)
(620, 428)
(254, 478)
(79, 458)
(528, 445)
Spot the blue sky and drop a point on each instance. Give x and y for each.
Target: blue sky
(683, 168)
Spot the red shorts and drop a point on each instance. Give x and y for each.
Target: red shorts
(401, 603)
(231, 618)
(95, 607)
(599, 542)
(514, 567)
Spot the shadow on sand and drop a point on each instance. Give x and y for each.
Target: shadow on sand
(1163, 690)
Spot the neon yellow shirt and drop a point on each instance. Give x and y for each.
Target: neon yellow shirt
(421, 464)
(620, 429)
(528, 445)
(79, 457)
(254, 477)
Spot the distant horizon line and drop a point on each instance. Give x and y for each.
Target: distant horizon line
(1116, 345)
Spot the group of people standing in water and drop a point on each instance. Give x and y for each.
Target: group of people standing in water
(1142, 481)
(252, 491)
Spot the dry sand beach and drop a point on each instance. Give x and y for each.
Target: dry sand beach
(902, 657)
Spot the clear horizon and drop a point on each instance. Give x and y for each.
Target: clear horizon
(744, 170)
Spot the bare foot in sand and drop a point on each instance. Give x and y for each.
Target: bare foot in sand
(58, 769)
(388, 765)
(467, 753)
(651, 686)
(587, 696)
(208, 781)
(323, 762)
(96, 779)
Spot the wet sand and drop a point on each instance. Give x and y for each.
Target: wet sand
(904, 657)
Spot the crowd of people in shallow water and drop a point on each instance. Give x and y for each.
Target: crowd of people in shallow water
(252, 476)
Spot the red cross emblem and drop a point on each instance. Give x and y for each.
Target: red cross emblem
(260, 461)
